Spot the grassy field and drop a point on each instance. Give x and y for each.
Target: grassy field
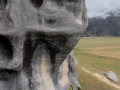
(102, 53)
(88, 82)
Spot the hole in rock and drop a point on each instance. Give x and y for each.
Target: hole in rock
(5, 2)
(6, 74)
(70, 0)
(37, 3)
(51, 21)
(5, 47)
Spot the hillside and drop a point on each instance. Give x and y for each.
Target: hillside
(107, 24)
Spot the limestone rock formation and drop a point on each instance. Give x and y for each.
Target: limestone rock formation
(73, 75)
(36, 36)
(112, 76)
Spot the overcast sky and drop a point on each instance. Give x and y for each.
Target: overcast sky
(96, 6)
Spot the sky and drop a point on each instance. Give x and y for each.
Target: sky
(97, 7)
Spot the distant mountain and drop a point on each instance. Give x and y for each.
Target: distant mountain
(113, 12)
(106, 24)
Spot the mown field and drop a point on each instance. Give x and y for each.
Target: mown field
(102, 53)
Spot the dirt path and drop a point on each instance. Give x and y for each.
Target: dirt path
(101, 78)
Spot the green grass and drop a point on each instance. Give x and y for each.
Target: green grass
(99, 62)
(102, 53)
(98, 42)
(88, 82)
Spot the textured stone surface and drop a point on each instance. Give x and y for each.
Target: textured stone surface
(36, 36)
(112, 76)
(73, 75)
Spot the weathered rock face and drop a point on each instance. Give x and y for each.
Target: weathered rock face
(112, 76)
(72, 73)
(35, 38)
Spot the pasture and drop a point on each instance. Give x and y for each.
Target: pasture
(102, 53)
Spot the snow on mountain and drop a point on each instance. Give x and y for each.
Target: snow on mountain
(103, 17)
(113, 12)
(97, 13)
(102, 8)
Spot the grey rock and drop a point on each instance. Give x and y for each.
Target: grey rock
(36, 36)
(112, 76)
(73, 75)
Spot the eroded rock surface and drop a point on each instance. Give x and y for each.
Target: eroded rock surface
(73, 75)
(36, 36)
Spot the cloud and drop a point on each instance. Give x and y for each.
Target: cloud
(96, 7)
